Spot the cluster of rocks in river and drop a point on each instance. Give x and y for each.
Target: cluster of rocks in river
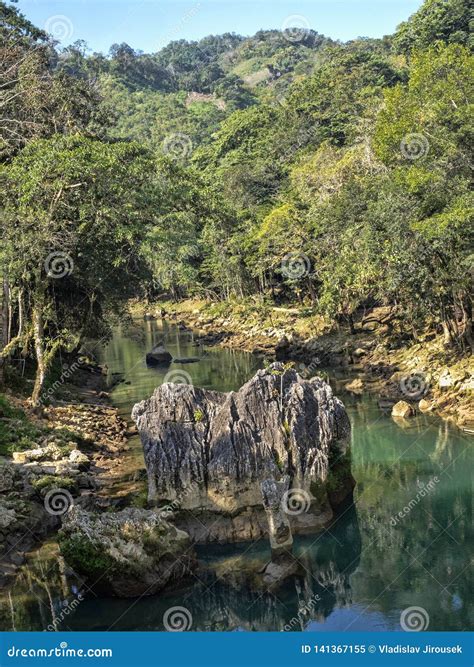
(221, 468)
(267, 461)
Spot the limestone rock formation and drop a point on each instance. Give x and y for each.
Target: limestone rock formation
(273, 495)
(210, 452)
(129, 553)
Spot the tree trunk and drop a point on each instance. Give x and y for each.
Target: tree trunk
(466, 324)
(21, 313)
(4, 322)
(10, 318)
(6, 310)
(38, 336)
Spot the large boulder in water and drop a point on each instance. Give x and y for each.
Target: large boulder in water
(210, 452)
(159, 356)
(129, 553)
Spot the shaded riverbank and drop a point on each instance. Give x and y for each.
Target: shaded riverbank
(72, 451)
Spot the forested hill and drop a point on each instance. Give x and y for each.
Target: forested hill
(284, 167)
(194, 86)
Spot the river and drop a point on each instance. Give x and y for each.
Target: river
(404, 543)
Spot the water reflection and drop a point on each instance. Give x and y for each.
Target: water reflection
(221, 370)
(226, 594)
(360, 574)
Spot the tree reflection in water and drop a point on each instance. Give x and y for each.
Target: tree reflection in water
(358, 575)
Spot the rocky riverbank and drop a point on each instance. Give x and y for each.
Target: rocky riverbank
(70, 453)
(377, 355)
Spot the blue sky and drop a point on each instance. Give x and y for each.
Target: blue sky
(151, 24)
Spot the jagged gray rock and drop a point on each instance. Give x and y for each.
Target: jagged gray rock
(210, 451)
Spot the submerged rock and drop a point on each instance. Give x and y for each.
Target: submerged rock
(356, 386)
(402, 409)
(130, 553)
(210, 452)
(158, 356)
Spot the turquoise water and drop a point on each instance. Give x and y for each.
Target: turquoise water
(404, 543)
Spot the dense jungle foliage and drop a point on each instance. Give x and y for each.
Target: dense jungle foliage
(281, 167)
